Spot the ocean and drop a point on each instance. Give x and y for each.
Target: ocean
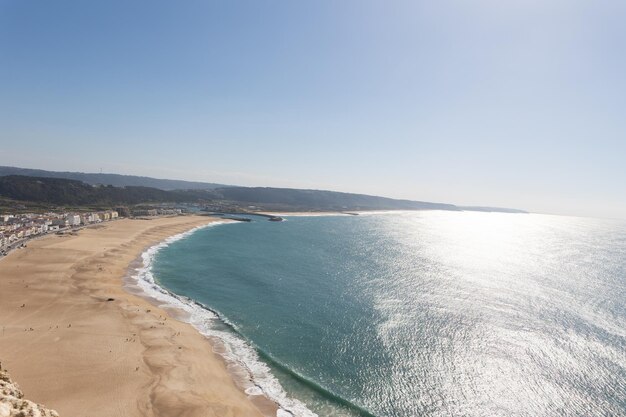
(430, 313)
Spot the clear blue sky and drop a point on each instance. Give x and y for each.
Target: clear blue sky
(486, 102)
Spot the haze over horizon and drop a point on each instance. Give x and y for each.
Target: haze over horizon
(509, 104)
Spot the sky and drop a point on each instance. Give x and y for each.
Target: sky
(473, 102)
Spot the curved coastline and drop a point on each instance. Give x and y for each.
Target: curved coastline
(242, 360)
(114, 352)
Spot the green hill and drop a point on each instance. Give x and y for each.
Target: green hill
(67, 192)
(59, 191)
(115, 180)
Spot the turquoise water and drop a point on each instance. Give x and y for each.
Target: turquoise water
(420, 314)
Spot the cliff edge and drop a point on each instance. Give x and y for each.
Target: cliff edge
(13, 404)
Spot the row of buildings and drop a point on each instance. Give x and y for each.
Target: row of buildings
(157, 212)
(15, 229)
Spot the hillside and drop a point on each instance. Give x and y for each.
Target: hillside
(320, 200)
(115, 180)
(65, 192)
(58, 191)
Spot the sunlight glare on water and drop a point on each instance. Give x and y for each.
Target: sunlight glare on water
(501, 309)
(425, 313)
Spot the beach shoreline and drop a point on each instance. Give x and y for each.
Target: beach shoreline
(140, 282)
(77, 341)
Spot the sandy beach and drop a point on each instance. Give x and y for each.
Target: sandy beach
(77, 342)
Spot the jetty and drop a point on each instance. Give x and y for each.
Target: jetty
(235, 216)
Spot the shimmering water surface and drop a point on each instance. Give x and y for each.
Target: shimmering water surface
(422, 314)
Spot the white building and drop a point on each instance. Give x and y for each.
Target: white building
(73, 220)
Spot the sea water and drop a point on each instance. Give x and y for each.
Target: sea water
(429, 313)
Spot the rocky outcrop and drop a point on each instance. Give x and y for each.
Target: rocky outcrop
(13, 404)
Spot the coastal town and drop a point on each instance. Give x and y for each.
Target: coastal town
(17, 229)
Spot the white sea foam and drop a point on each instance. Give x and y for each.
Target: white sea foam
(239, 354)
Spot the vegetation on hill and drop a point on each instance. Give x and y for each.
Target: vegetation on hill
(115, 180)
(64, 192)
(59, 191)
(321, 200)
